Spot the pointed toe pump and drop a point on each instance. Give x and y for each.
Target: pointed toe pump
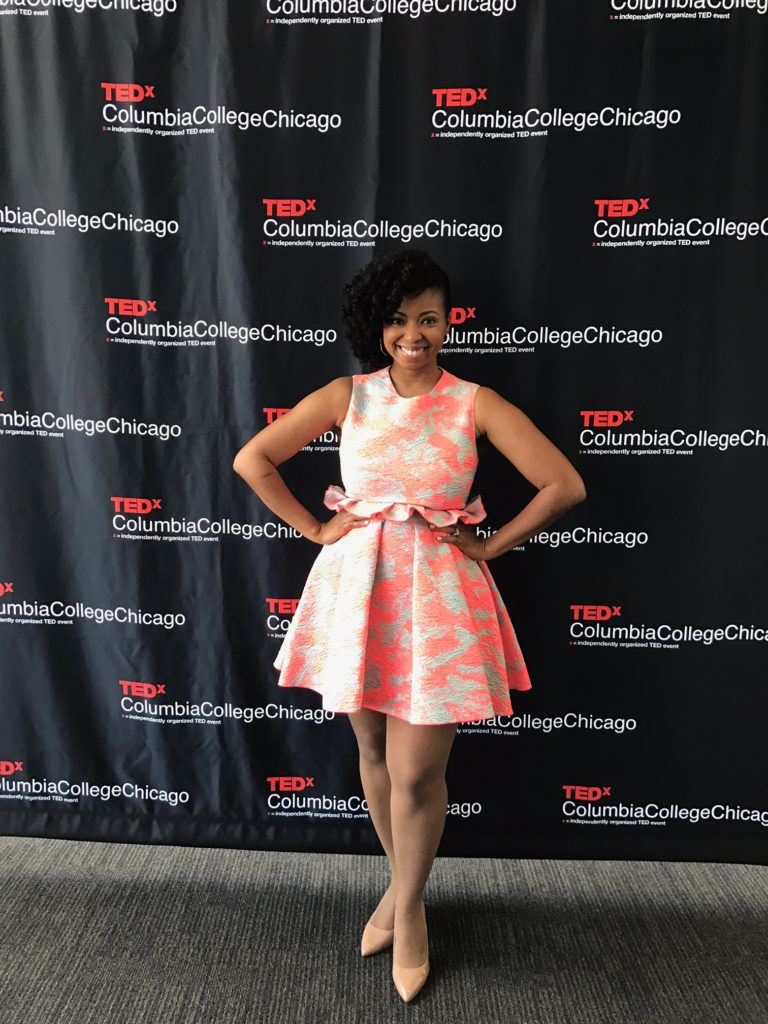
(410, 980)
(375, 939)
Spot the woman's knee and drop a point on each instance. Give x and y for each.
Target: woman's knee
(417, 756)
(370, 730)
(372, 752)
(416, 781)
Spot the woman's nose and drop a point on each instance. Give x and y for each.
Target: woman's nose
(412, 332)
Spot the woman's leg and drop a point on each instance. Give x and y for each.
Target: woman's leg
(417, 757)
(370, 728)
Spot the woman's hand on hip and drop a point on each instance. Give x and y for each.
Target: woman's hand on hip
(465, 539)
(337, 527)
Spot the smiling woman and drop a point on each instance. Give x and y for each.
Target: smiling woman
(416, 330)
(379, 310)
(400, 624)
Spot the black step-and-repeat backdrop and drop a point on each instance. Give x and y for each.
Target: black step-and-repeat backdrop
(185, 188)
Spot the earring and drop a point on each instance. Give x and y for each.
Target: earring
(381, 346)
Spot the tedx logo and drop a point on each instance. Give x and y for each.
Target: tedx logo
(586, 793)
(135, 506)
(466, 97)
(282, 605)
(606, 417)
(289, 783)
(620, 207)
(595, 612)
(135, 688)
(127, 92)
(460, 314)
(130, 307)
(288, 207)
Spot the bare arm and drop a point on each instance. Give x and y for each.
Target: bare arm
(257, 461)
(559, 484)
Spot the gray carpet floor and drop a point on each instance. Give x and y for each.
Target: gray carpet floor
(96, 933)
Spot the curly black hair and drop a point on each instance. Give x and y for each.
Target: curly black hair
(375, 292)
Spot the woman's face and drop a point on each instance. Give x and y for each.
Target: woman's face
(415, 333)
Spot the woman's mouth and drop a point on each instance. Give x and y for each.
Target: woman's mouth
(412, 353)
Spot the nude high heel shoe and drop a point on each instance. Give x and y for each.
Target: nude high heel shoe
(375, 939)
(410, 980)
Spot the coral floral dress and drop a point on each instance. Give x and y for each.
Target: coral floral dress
(390, 617)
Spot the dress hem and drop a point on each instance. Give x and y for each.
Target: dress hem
(456, 721)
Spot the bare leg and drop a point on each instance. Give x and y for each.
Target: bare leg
(417, 757)
(370, 728)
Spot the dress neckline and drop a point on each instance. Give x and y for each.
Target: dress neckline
(408, 398)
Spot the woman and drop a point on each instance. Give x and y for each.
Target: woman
(400, 624)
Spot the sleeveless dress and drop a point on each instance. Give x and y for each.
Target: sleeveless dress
(390, 617)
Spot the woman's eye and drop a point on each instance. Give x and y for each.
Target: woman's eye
(396, 320)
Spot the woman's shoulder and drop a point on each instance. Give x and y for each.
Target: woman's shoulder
(483, 391)
(360, 376)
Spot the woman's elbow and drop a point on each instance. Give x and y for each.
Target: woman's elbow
(577, 491)
(570, 491)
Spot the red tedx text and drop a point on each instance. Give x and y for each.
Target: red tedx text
(461, 313)
(289, 783)
(289, 207)
(595, 612)
(131, 307)
(459, 97)
(134, 688)
(606, 417)
(620, 207)
(135, 506)
(127, 92)
(590, 793)
(282, 605)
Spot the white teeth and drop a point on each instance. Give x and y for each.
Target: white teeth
(411, 351)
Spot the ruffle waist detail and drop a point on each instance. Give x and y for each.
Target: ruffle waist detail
(336, 498)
